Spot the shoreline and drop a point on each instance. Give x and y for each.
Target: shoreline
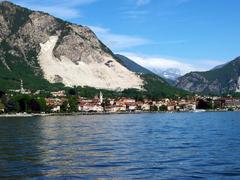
(70, 114)
(102, 113)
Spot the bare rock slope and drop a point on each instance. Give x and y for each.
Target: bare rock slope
(59, 51)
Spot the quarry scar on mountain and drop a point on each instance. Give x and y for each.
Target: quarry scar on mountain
(106, 73)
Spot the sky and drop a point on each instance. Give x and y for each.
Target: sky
(191, 35)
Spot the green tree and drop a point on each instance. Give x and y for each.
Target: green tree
(72, 91)
(34, 106)
(1, 94)
(64, 106)
(163, 108)
(12, 106)
(42, 103)
(23, 101)
(73, 104)
(153, 108)
(133, 93)
(1, 106)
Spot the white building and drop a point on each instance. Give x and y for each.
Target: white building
(89, 107)
(145, 107)
(22, 90)
(56, 109)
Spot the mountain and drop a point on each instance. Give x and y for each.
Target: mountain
(219, 66)
(46, 53)
(35, 46)
(131, 65)
(223, 79)
(169, 74)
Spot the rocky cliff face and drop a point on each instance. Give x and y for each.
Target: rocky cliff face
(224, 79)
(58, 51)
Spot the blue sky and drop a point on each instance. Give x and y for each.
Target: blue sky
(185, 34)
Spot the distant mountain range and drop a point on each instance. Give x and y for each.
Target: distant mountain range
(169, 74)
(221, 79)
(131, 65)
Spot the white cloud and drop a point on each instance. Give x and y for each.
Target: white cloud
(160, 63)
(63, 9)
(118, 41)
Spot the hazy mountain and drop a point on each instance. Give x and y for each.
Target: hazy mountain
(170, 73)
(222, 79)
(131, 65)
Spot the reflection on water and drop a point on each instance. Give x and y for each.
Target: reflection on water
(145, 146)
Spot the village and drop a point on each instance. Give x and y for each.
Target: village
(62, 102)
(100, 104)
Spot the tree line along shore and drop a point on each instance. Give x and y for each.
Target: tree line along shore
(23, 103)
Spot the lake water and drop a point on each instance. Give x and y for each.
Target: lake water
(141, 146)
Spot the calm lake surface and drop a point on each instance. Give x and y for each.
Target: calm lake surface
(141, 146)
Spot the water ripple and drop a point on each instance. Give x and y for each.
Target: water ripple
(141, 146)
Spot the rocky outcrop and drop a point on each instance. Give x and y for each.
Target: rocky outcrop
(224, 79)
(59, 51)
